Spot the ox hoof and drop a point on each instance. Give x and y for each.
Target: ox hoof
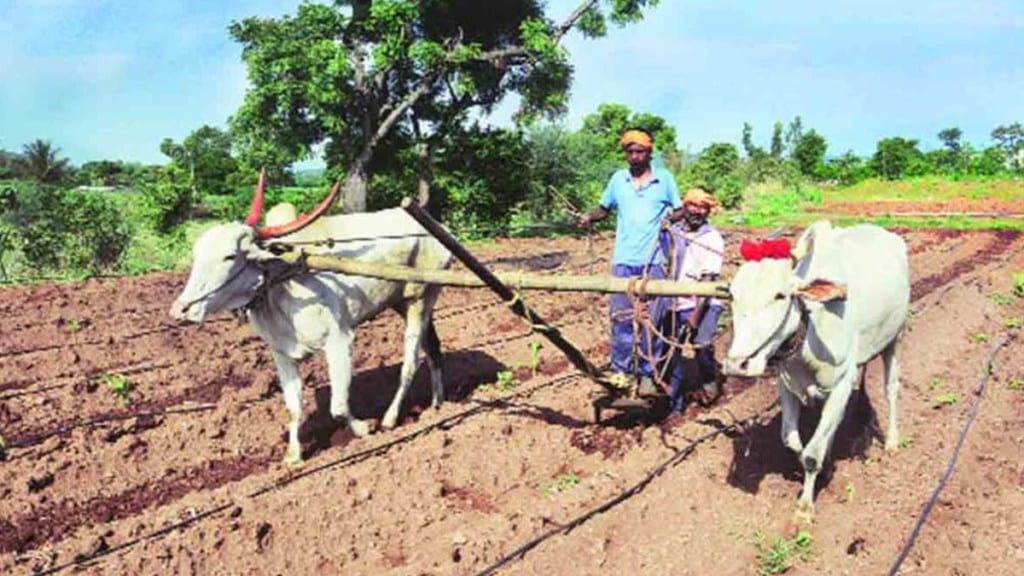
(389, 422)
(361, 427)
(892, 444)
(293, 460)
(804, 514)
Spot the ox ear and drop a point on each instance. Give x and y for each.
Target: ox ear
(822, 290)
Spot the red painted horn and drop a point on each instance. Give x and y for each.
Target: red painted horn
(256, 210)
(301, 222)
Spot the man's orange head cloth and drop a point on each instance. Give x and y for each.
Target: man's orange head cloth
(636, 137)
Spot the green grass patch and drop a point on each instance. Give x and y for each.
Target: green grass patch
(929, 189)
(947, 399)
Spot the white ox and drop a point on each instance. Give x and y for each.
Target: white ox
(298, 312)
(844, 302)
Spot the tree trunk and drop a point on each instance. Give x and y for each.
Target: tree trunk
(426, 173)
(353, 195)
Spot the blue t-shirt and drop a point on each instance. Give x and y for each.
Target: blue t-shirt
(639, 214)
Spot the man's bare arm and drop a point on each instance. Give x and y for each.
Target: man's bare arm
(595, 215)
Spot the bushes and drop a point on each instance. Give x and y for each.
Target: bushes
(168, 199)
(69, 230)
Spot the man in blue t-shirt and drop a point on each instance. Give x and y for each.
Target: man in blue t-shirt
(643, 198)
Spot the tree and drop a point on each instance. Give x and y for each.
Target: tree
(952, 156)
(809, 152)
(794, 132)
(39, 162)
(206, 155)
(364, 80)
(776, 149)
(760, 165)
(100, 173)
(894, 156)
(8, 165)
(1010, 138)
(716, 170)
(950, 138)
(847, 169)
(610, 120)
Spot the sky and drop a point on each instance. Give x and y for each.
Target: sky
(109, 79)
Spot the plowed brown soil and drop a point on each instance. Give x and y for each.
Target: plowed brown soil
(186, 477)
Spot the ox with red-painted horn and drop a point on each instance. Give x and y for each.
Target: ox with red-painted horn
(299, 311)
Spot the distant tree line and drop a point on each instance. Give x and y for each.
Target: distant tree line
(483, 180)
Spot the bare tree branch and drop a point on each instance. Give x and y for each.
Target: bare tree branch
(500, 56)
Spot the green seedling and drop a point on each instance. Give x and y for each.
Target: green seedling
(906, 443)
(120, 385)
(947, 399)
(979, 337)
(535, 347)
(1001, 299)
(848, 493)
(1018, 284)
(936, 383)
(780, 556)
(1012, 322)
(506, 381)
(73, 325)
(562, 483)
(1016, 384)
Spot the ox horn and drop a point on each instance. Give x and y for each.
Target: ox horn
(256, 210)
(301, 222)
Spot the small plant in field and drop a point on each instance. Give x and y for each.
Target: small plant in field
(979, 337)
(1001, 299)
(120, 385)
(1016, 384)
(535, 347)
(506, 381)
(563, 482)
(848, 492)
(1012, 322)
(73, 325)
(780, 556)
(1018, 284)
(906, 442)
(936, 383)
(947, 399)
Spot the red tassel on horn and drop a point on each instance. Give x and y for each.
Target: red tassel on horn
(771, 249)
(256, 210)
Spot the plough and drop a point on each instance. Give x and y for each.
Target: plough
(507, 287)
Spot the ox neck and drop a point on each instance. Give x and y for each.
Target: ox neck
(795, 342)
(274, 273)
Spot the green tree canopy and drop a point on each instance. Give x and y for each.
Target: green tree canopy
(363, 80)
(895, 156)
(1010, 137)
(809, 152)
(40, 162)
(206, 156)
